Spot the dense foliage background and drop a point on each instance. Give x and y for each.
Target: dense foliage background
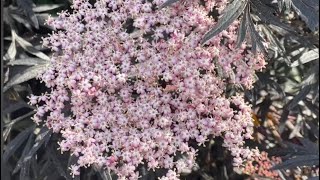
(285, 97)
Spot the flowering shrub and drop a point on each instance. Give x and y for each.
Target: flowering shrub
(131, 84)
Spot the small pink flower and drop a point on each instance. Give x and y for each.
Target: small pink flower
(75, 170)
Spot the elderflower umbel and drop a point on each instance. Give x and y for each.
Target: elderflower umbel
(131, 84)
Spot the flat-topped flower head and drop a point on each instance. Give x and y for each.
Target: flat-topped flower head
(131, 85)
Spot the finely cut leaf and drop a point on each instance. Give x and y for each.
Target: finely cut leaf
(14, 106)
(9, 125)
(5, 172)
(104, 173)
(25, 171)
(28, 62)
(294, 150)
(312, 126)
(256, 39)
(167, 3)
(12, 101)
(41, 139)
(295, 132)
(35, 21)
(12, 51)
(265, 13)
(44, 169)
(284, 4)
(242, 30)
(16, 143)
(27, 74)
(35, 168)
(23, 20)
(312, 3)
(280, 5)
(311, 146)
(12, 122)
(314, 178)
(26, 6)
(232, 12)
(306, 57)
(300, 96)
(307, 160)
(57, 163)
(307, 13)
(274, 41)
(24, 153)
(28, 47)
(47, 7)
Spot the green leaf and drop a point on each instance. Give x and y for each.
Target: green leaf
(231, 13)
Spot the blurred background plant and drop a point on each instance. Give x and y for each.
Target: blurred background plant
(285, 97)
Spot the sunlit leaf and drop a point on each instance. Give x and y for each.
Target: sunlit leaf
(27, 74)
(306, 57)
(28, 62)
(28, 47)
(46, 7)
(12, 51)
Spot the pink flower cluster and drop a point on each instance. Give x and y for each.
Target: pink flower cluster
(131, 85)
(260, 166)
